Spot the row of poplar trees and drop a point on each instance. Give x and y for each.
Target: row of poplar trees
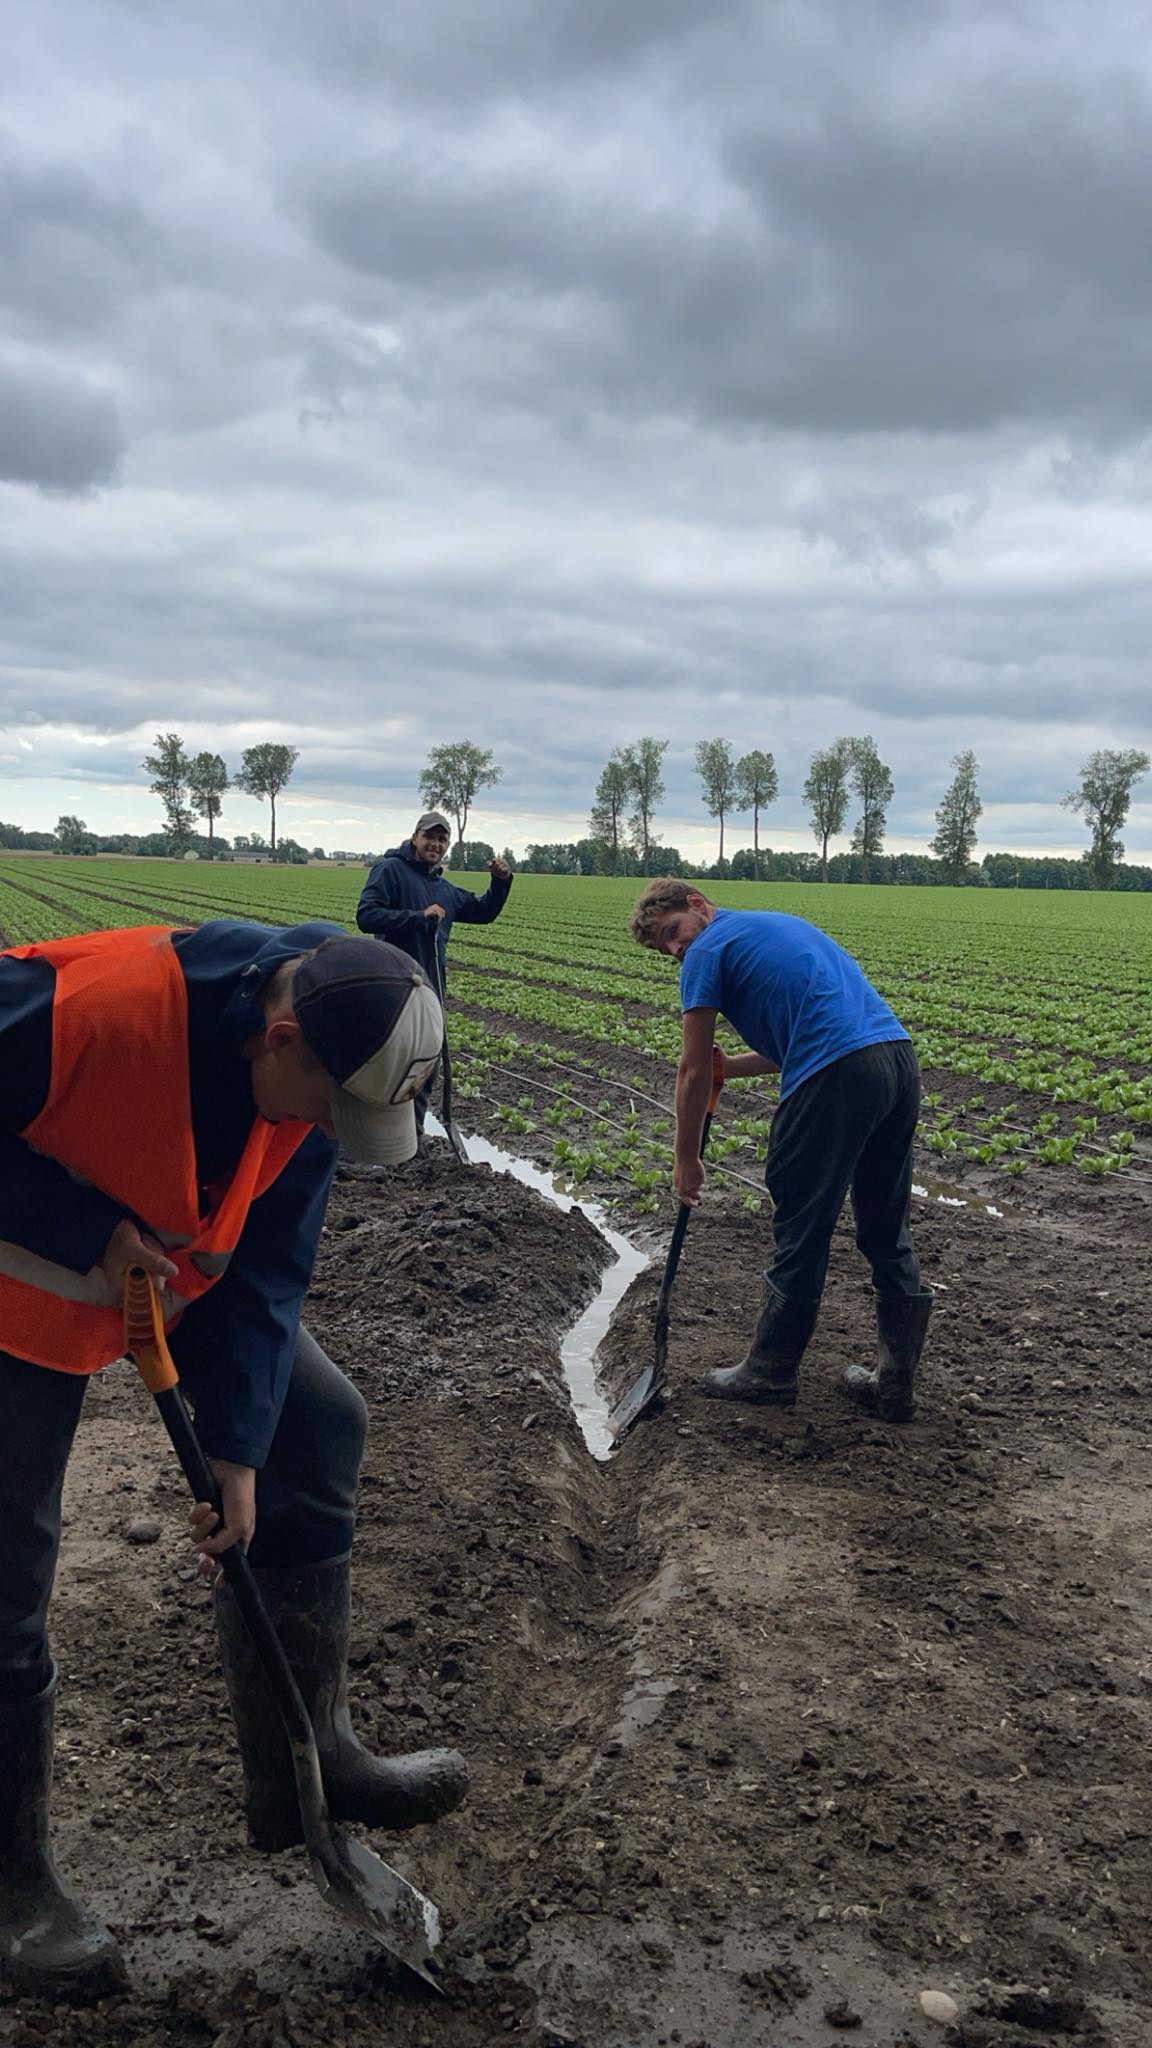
(192, 786)
(632, 786)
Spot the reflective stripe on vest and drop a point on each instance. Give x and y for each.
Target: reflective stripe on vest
(119, 1117)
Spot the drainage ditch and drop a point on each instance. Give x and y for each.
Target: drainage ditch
(579, 1348)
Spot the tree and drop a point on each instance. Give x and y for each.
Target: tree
(826, 795)
(455, 772)
(716, 766)
(1106, 783)
(472, 855)
(207, 783)
(872, 781)
(956, 817)
(606, 822)
(758, 785)
(643, 766)
(168, 767)
(264, 770)
(73, 836)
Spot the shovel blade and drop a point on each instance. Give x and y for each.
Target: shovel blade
(647, 1388)
(631, 1406)
(361, 1887)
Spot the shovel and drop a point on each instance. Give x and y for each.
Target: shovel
(455, 1138)
(647, 1388)
(350, 1878)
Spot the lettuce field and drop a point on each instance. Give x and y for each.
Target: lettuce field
(1031, 1012)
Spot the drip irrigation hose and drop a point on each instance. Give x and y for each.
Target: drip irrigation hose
(626, 1088)
(529, 1081)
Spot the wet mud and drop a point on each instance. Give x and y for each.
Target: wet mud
(777, 1722)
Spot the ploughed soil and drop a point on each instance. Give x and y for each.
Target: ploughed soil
(777, 1722)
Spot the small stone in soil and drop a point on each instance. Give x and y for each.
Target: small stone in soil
(143, 1532)
(936, 2005)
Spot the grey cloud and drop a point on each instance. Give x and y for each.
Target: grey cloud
(69, 252)
(944, 260)
(559, 371)
(58, 434)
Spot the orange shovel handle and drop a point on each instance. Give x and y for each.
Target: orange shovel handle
(144, 1338)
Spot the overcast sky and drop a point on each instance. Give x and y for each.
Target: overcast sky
(701, 368)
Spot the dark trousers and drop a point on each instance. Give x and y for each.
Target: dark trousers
(847, 1130)
(305, 1494)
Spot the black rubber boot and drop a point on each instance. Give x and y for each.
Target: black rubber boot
(310, 1609)
(767, 1373)
(49, 1943)
(901, 1326)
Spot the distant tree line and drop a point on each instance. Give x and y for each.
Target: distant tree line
(845, 778)
(192, 786)
(72, 836)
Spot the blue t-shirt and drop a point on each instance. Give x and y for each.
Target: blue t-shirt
(790, 991)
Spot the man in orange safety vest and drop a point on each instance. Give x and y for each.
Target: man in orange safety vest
(176, 1099)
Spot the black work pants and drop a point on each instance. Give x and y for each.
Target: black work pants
(305, 1493)
(847, 1130)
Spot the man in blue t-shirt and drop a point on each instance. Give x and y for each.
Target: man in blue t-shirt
(849, 1105)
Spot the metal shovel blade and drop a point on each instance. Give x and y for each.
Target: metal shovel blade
(353, 1880)
(645, 1391)
(360, 1885)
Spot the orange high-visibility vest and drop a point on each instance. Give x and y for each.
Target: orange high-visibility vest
(119, 1116)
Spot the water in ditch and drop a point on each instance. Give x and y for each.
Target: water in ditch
(578, 1349)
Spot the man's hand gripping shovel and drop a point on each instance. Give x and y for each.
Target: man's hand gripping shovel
(351, 1878)
(647, 1389)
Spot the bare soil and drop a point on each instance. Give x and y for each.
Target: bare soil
(776, 1721)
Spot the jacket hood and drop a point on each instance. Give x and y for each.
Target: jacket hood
(404, 852)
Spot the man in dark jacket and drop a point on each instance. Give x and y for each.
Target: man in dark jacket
(194, 1051)
(407, 901)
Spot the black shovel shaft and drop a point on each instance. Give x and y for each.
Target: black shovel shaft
(237, 1570)
(446, 1117)
(679, 1232)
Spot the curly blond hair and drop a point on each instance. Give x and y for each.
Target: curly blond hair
(661, 899)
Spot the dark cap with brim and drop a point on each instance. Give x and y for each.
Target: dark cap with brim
(432, 821)
(376, 1027)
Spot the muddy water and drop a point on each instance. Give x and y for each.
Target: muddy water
(579, 1348)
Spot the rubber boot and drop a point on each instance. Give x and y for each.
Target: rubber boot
(901, 1327)
(309, 1607)
(49, 1943)
(767, 1373)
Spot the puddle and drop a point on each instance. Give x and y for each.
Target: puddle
(578, 1349)
(953, 1198)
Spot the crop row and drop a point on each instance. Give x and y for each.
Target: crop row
(1048, 998)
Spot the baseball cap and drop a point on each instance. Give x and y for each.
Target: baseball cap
(376, 1027)
(431, 819)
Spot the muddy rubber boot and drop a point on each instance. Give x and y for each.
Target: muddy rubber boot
(309, 1607)
(49, 1943)
(901, 1327)
(767, 1373)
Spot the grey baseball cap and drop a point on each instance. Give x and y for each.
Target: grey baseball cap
(376, 1027)
(432, 820)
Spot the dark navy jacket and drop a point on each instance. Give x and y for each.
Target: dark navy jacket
(240, 1336)
(397, 894)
